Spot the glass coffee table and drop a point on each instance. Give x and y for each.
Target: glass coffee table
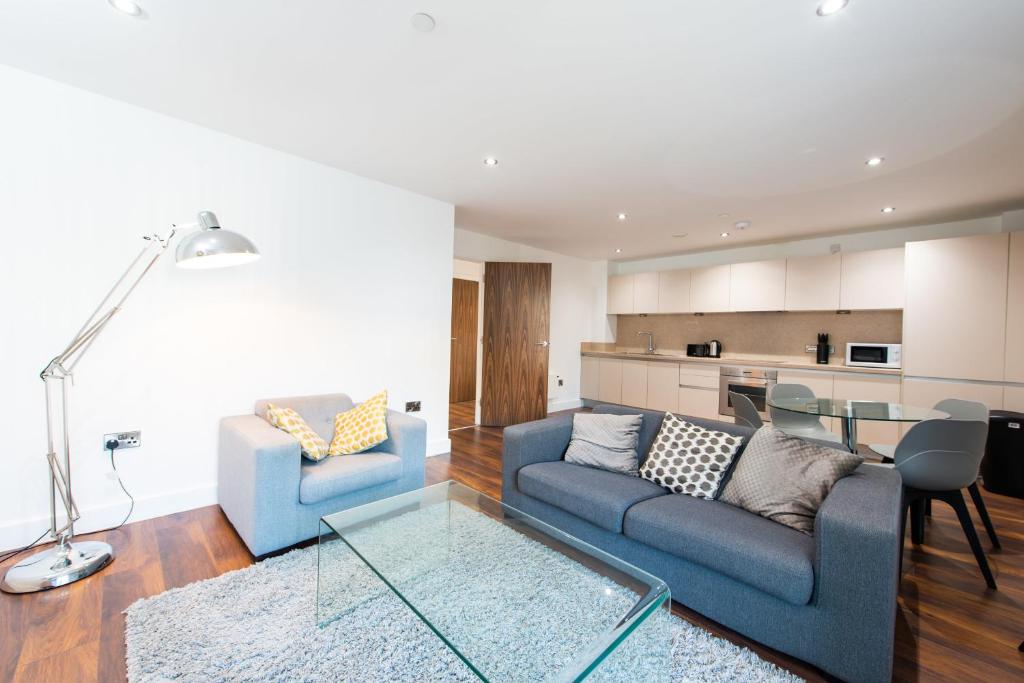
(512, 597)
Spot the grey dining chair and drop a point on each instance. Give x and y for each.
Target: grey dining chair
(959, 409)
(799, 424)
(745, 411)
(937, 459)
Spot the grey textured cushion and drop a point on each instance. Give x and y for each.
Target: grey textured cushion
(341, 474)
(768, 556)
(607, 442)
(690, 459)
(785, 478)
(597, 496)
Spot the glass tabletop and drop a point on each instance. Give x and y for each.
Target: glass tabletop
(858, 410)
(512, 597)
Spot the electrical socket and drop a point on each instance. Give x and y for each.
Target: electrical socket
(412, 406)
(812, 348)
(124, 439)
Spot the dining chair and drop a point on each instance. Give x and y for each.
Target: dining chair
(937, 459)
(959, 409)
(745, 411)
(799, 424)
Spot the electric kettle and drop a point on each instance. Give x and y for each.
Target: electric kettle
(715, 348)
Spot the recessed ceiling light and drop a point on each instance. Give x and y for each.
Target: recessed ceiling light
(875, 161)
(741, 225)
(725, 234)
(128, 7)
(622, 216)
(723, 215)
(490, 161)
(422, 22)
(889, 209)
(618, 251)
(830, 7)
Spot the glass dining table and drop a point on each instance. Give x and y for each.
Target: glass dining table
(850, 410)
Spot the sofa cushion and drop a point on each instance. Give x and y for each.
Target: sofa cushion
(607, 442)
(598, 496)
(760, 553)
(689, 459)
(342, 474)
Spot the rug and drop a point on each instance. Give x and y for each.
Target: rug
(260, 623)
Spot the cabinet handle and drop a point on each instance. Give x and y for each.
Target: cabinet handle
(545, 344)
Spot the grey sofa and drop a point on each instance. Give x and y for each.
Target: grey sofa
(828, 599)
(274, 497)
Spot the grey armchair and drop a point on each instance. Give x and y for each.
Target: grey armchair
(274, 497)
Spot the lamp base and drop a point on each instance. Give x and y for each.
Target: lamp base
(57, 566)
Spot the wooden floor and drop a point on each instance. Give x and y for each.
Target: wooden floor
(461, 415)
(949, 626)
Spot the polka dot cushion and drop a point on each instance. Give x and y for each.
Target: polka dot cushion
(313, 445)
(361, 428)
(686, 458)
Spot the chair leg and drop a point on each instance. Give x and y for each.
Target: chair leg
(979, 505)
(928, 507)
(903, 532)
(957, 502)
(917, 522)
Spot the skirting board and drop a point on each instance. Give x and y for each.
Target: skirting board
(108, 514)
(570, 404)
(439, 447)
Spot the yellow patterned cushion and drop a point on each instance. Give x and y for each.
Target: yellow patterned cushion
(313, 445)
(363, 427)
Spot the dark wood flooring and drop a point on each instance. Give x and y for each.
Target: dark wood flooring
(949, 626)
(461, 415)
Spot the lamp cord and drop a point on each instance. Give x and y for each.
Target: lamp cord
(113, 463)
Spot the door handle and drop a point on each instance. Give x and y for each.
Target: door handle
(453, 338)
(545, 344)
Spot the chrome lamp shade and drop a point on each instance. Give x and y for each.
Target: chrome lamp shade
(214, 247)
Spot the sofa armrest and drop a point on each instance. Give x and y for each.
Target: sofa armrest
(407, 438)
(532, 442)
(858, 534)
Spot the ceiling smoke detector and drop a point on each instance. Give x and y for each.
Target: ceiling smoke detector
(829, 7)
(424, 23)
(128, 7)
(741, 225)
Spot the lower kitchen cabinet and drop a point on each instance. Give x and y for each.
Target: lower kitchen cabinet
(870, 388)
(698, 402)
(634, 383)
(590, 377)
(927, 392)
(663, 386)
(610, 380)
(1013, 399)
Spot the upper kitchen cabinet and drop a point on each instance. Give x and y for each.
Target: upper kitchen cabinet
(758, 286)
(812, 283)
(674, 291)
(954, 319)
(1015, 311)
(872, 279)
(709, 289)
(645, 293)
(620, 294)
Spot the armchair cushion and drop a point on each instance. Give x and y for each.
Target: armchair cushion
(361, 428)
(339, 475)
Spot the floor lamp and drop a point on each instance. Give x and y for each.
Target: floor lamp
(66, 562)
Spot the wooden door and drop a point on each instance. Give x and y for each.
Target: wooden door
(517, 309)
(462, 381)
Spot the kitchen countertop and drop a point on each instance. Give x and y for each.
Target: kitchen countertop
(669, 356)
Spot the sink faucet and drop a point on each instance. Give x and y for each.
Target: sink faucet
(650, 341)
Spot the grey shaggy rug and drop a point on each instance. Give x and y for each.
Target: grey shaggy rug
(260, 623)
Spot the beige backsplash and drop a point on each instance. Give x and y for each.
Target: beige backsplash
(762, 334)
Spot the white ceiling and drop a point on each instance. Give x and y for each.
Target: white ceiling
(673, 111)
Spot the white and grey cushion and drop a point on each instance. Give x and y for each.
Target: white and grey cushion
(607, 442)
(785, 478)
(687, 458)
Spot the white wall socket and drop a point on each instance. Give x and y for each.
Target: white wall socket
(124, 439)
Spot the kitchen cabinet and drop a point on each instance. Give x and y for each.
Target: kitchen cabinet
(812, 283)
(757, 286)
(662, 386)
(674, 291)
(609, 380)
(954, 320)
(620, 294)
(858, 387)
(872, 279)
(590, 373)
(821, 383)
(927, 392)
(1014, 370)
(709, 289)
(634, 383)
(645, 293)
(698, 402)
(1013, 399)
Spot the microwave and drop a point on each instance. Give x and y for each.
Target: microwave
(867, 355)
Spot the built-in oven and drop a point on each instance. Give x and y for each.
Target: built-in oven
(754, 383)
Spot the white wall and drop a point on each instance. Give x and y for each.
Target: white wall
(858, 241)
(578, 293)
(353, 294)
